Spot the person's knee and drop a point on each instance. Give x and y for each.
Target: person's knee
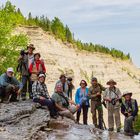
(130, 119)
(8, 88)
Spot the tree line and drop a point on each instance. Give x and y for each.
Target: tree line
(10, 17)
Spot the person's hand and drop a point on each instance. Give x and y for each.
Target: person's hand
(129, 114)
(71, 102)
(88, 95)
(13, 87)
(64, 109)
(42, 98)
(77, 106)
(21, 57)
(98, 94)
(108, 99)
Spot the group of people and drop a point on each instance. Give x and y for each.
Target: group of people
(32, 70)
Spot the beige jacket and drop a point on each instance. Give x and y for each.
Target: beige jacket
(115, 93)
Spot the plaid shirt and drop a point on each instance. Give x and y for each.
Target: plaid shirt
(40, 90)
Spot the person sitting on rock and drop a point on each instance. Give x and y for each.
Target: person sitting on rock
(129, 109)
(37, 66)
(70, 87)
(65, 106)
(112, 97)
(41, 95)
(95, 94)
(82, 99)
(10, 87)
(63, 81)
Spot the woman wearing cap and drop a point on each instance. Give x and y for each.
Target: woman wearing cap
(129, 109)
(41, 95)
(81, 99)
(112, 96)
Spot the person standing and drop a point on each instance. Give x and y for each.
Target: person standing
(24, 62)
(95, 94)
(63, 81)
(36, 67)
(10, 87)
(70, 87)
(112, 96)
(82, 100)
(129, 109)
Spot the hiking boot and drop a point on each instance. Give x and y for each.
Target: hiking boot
(111, 129)
(136, 133)
(23, 98)
(129, 133)
(77, 122)
(96, 126)
(54, 117)
(118, 130)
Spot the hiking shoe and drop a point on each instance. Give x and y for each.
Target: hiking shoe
(23, 98)
(136, 133)
(128, 134)
(110, 129)
(54, 117)
(118, 130)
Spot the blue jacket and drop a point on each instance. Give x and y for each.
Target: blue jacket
(78, 97)
(5, 81)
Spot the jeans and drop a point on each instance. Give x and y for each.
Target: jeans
(49, 103)
(27, 86)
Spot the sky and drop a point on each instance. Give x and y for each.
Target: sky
(112, 23)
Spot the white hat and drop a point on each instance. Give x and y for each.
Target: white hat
(127, 93)
(10, 70)
(41, 75)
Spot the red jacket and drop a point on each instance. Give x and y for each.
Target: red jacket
(37, 66)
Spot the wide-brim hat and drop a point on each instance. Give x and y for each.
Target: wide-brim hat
(31, 46)
(111, 81)
(127, 93)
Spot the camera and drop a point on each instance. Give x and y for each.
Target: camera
(22, 52)
(113, 101)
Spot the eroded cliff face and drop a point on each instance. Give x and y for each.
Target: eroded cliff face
(63, 58)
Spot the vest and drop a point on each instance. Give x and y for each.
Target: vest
(128, 108)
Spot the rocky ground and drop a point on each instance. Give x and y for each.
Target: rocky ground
(23, 121)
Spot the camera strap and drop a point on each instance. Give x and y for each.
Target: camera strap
(66, 99)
